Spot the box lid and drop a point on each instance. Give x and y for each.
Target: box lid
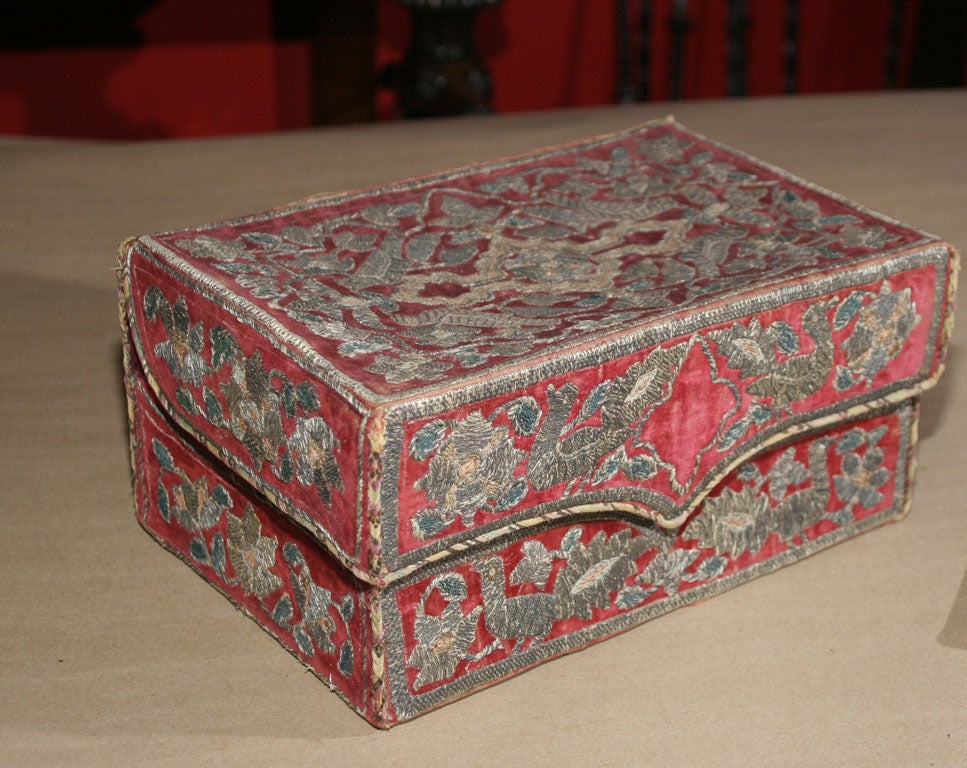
(607, 327)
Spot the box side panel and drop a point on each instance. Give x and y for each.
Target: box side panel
(294, 439)
(652, 429)
(271, 569)
(560, 585)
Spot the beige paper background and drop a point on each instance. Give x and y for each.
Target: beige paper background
(114, 653)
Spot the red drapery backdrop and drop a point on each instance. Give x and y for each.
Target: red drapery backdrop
(214, 68)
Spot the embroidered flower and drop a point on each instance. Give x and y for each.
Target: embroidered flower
(861, 479)
(182, 350)
(546, 265)
(666, 569)
(355, 348)
(262, 286)
(252, 554)
(357, 242)
(475, 464)
(751, 350)
(665, 149)
(756, 253)
(459, 212)
(786, 473)
(440, 334)
(595, 571)
(320, 615)
(325, 324)
(594, 323)
(314, 604)
(854, 235)
(732, 522)
(881, 331)
(192, 505)
(444, 639)
(254, 409)
(314, 446)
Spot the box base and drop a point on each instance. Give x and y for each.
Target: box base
(541, 589)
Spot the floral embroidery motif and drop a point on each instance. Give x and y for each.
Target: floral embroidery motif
(782, 372)
(667, 572)
(321, 615)
(477, 465)
(314, 446)
(863, 474)
(595, 572)
(407, 368)
(879, 335)
(733, 522)
(756, 353)
(238, 553)
(189, 503)
(254, 405)
(741, 521)
(252, 554)
(185, 343)
(254, 415)
(471, 468)
(790, 497)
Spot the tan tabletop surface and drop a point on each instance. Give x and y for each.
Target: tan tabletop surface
(114, 653)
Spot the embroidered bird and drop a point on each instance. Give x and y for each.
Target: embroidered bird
(512, 617)
(564, 451)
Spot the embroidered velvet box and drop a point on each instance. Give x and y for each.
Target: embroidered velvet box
(433, 434)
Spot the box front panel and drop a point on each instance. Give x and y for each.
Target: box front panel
(493, 612)
(655, 428)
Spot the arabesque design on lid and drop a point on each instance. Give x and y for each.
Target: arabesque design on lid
(430, 283)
